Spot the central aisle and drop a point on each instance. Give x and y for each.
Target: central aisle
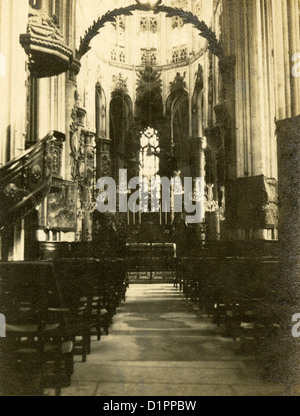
(161, 346)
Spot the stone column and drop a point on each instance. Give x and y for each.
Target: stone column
(256, 88)
(200, 173)
(294, 47)
(227, 68)
(87, 184)
(212, 217)
(71, 86)
(13, 21)
(279, 68)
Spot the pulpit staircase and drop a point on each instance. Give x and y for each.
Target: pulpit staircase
(26, 180)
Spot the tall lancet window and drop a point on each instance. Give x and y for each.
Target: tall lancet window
(149, 161)
(55, 10)
(149, 40)
(35, 4)
(117, 36)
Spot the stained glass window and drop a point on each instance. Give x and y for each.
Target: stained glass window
(149, 161)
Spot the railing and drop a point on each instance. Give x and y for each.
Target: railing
(26, 180)
(157, 261)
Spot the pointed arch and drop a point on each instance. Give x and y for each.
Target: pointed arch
(178, 115)
(102, 142)
(101, 107)
(121, 120)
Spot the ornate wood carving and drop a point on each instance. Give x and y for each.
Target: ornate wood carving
(26, 180)
(48, 53)
(86, 182)
(62, 208)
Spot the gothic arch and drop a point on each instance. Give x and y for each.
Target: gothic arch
(102, 142)
(121, 121)
(101, 108)
(178, 116)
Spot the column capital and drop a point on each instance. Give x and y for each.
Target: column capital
(74, 69)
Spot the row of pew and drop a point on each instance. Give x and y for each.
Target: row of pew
(249, 299)
(52, 309)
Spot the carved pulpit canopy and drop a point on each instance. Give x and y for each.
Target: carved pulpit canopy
(48, 52)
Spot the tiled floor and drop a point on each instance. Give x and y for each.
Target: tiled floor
(161, 346)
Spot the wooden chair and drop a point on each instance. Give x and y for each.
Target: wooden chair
(74, 294)
(32, 341)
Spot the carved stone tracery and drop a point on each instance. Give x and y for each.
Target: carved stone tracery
(104, 157)
(178, 85)
(119, 84)
(82, 152)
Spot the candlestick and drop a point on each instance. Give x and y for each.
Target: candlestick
(166, 214)
(160, 214)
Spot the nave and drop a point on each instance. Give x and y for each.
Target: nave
(162, 345)
(216, 114)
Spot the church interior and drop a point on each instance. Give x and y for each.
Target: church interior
(142, 302)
